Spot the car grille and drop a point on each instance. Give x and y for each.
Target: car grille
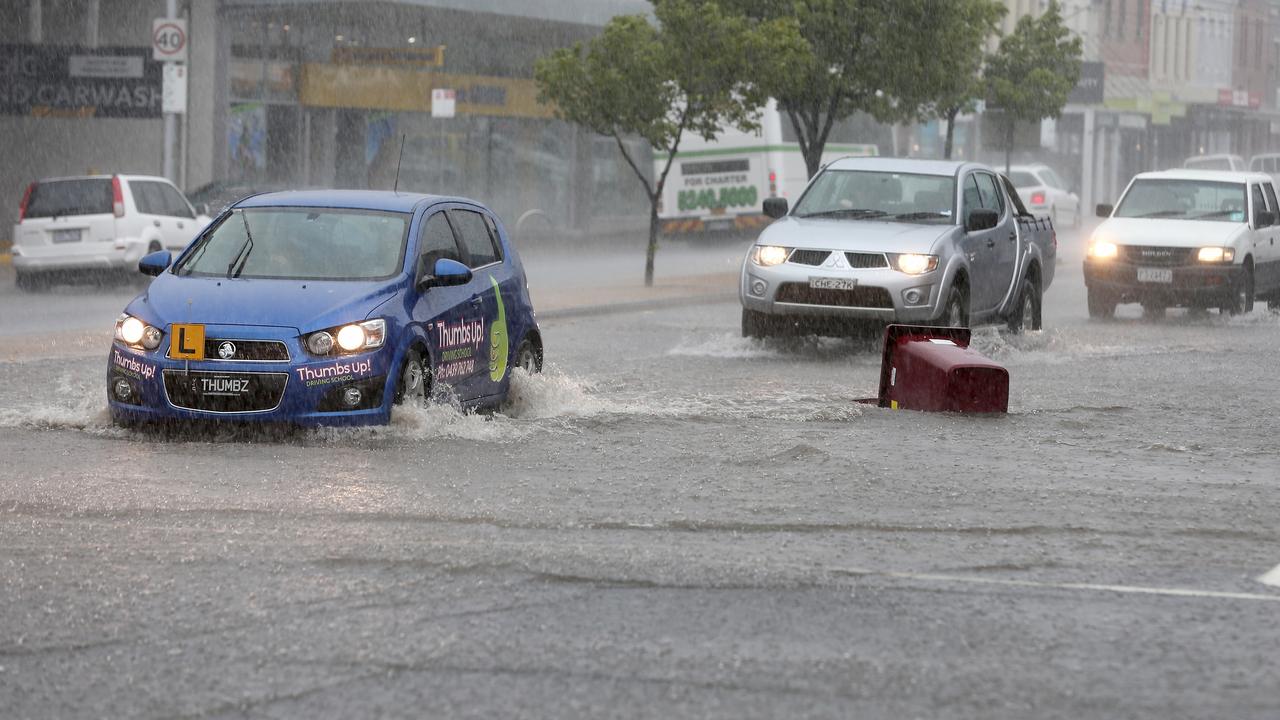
(861, 297)
(190, 391)
(809, 257)
(1161, 256)
(866, 260)
(247, 350)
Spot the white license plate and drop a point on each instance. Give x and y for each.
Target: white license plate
(832, 283)
(226, 386)
(66, 236)
(718, 225)
(1155, 275)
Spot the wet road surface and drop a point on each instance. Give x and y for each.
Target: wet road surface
(671, 521)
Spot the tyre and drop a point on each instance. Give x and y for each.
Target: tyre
(956, 312)
(529, 357)
(1026, 314)
(1242, 295)
(28, 282)
(1101, 305)
(415, 379)
(1273, 304)
(756, 324)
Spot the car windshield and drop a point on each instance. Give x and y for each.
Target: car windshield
(1023, 179)
(301, 244)
(90, 196)
(1184, 200)
(873, 194)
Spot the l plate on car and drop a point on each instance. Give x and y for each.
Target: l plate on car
(1155, 275)
(833, 283)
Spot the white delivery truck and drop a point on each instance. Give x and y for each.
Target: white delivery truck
(719, 185)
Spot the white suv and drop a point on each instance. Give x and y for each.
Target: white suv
(100, 222)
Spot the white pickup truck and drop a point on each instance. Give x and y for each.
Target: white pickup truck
(1189, 238)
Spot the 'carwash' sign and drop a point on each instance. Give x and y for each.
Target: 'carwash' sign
(65, 81)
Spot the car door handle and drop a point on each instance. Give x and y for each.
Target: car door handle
(1013, 237)
(477, 300)
(180, 225)
(156, 223)
(991, 243)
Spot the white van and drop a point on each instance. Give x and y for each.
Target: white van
(99, 222)
(720, 185)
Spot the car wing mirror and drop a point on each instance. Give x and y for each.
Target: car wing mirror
(155, 263)
(1264, 218)
(981, 219)
(1103, 210)
(443, 273)
(775, 207)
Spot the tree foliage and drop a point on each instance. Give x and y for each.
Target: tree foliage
(953, 73)
(692, 71)
(1031, 75)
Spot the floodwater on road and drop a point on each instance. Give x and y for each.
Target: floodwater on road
(672, 520)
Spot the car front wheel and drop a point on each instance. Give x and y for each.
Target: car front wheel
(1102, 306)
(1242, 295)
(1027, 315)
(756, 324)
(414, 383)
(956, 311)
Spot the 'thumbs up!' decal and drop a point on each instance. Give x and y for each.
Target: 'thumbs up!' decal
(498, 338)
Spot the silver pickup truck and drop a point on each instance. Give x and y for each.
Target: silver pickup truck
(896, 240)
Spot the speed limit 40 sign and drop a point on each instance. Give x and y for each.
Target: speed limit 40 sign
(169, 40)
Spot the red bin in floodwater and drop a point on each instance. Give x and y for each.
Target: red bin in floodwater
(934, 369)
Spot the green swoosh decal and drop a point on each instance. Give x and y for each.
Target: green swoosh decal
(498, 343)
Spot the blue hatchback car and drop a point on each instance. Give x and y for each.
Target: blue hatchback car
(326, 308)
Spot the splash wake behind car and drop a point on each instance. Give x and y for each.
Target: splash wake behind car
(326, 308)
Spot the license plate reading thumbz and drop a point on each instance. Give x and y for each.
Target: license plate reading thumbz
(232, 386)
(832, 283)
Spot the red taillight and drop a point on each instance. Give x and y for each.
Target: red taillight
(26, 198)
(1037, 198)
(117, 196)
(773, 184)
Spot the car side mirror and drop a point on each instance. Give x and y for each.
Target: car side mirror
(155, 263)
(1103, 210)
(444, 273)
(1264, 218)
(981, 219)
(775, 207)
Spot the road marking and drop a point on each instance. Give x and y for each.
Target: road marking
(1274, 576)
(1271, 578)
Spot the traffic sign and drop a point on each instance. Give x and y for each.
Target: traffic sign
(443, 102)
(173, 94)
(169, 40)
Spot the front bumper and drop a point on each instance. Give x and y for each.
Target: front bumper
(881, 293)
(1190, 284)
(304, 390)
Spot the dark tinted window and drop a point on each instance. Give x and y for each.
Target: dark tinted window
(437, 241)
(1271, 196)
(475, 236)
(1259, 202)
(174, 205)
(149, 197)
(70, 197)
(991, 198)
(971, 198)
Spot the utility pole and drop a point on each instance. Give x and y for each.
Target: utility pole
(169, 153)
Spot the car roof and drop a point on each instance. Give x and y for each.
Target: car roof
(122, 176)
(905, 165)
(385, 200)
(1215, 156)
(1239, 176)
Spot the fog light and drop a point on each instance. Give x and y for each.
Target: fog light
(151, 338)
(352, 396)
(758, 287)
(912, 297)
(122, 389)
(320, 343)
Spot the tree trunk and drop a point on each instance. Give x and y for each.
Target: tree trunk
(1008, 144)
(951, 132)
(653, 241)
(813, 159)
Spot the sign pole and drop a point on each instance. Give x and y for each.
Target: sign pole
(170, 122)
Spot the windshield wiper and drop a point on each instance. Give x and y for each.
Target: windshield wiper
(1162, 213)
(242, 256)
(857, 212)
(1217, 213)
(922, 215)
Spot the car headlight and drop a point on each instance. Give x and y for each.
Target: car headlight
(133, 332)
(914, 263)
(1103, 250)
(769, 255)
(356, 337)
(1216, 255)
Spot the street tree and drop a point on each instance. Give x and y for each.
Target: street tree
(952, 75)
(1029, 78)
(861, 56)
(686, 72)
